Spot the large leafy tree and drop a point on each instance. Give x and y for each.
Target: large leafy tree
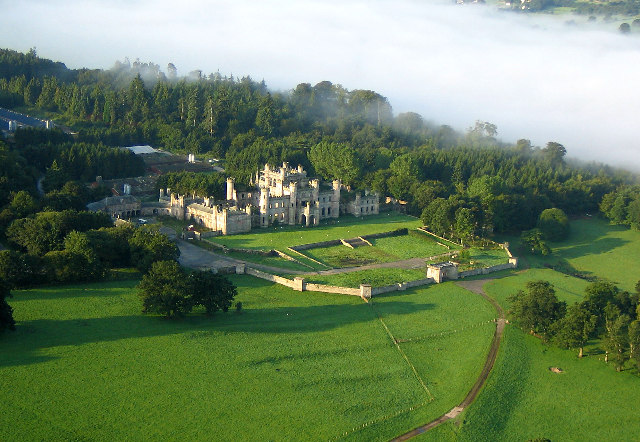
(211, 291)
(537, 308)
(616, 340)
(148, 245)
(575, 328)
(554, 223)
(164, 290)
(170, 290)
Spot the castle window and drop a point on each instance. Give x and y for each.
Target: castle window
(323, 210)
(329, 211)
(372, 208)
(360, 209)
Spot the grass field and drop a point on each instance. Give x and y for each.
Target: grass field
(589, 401)
(85, 364)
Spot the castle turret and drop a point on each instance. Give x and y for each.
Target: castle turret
(293, 196)
(264, 207)
(230, 189)
(315, 190)
(334, 211)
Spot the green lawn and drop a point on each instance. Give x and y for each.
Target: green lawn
(522, 399)
(394, 248)
(607, 251)
(375, 277)
(346, 227)
(85, 364)
(488, 257)
(343, 256)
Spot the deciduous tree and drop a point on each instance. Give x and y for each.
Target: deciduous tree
(537, 308)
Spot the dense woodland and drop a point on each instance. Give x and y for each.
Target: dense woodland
(335, 133)
(462, 184)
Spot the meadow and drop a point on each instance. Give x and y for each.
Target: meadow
(85, 364)
(523, 399)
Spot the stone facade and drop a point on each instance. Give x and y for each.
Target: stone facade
(278, 196)
(441, 271)
(118, 207)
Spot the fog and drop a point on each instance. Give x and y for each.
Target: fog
(533, 77)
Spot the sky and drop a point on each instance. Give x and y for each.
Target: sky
(533, 77)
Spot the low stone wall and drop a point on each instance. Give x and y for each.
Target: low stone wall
(308, 257)
(486, 270)
(422, 229)
(315, 245)
(332, 289)
(269, 277)
(248, 251)
(397, 232)
(401, 286)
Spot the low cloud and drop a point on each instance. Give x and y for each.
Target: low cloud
(533, 77)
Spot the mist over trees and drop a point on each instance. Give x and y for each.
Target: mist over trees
(462, 184)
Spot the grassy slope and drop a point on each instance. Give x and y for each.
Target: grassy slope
(522, 398)
(85, 364)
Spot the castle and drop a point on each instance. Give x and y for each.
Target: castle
(277, 196)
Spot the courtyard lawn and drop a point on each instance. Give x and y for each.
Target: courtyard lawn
(488, 257)
(414, 245)
(343, 256)
(282, 237)
(389, 249)
(375, 277)
(85, 364)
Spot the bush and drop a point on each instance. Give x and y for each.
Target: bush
(554, 224)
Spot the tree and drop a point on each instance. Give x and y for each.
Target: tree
(170, 290)
(554, 152)
(624, 28)
(575, 328)
(554, 223)
(534, 240)
(537, 308)
(20, 270)
(617, 340)
(164, 290)
(148, 245)
(6, 312)
(211, 291)
(598, 295)
(634, 341)
(335, 161)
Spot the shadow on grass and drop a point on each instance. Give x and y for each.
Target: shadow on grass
(591, 247)
(489, 415)
(32, 338)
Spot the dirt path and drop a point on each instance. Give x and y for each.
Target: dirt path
(475, 287)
